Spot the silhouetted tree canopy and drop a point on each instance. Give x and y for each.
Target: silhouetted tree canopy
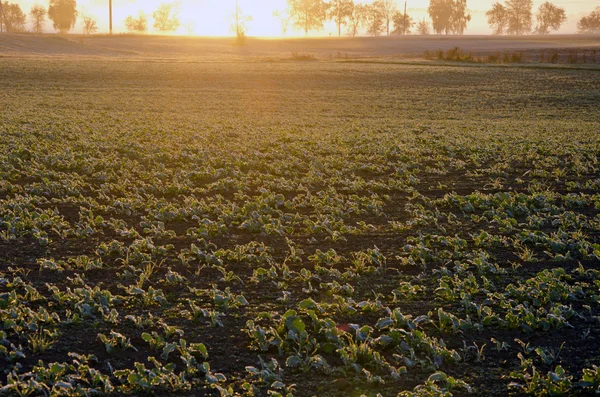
(590, 23)
(63, 14)
(374, 20)
(166, 17)
(138, 24)
(357, 18)
(520, 16)
(423, 28)
(308, 14)
(460, 17)
(14, 17)
(497, 18)
(514, 17)
(37, 14)
(402, 23)
(549, 17)
(387, 9)
(339, 12)
(449, 16)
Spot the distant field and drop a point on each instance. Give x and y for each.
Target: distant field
(223, 49)
(193, 228)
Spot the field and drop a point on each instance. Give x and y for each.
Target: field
(330, 228)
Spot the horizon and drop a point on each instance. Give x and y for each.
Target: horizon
(213, 18)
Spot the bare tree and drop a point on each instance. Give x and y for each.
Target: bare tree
(89, 25)
(283, 16)
(497, 18)
(423, 28)
(549, 17)
(37, 14)
(590, 23)
(519, 16)
(166, 17)
(240, 21)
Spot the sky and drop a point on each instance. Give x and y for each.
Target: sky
(214, 17)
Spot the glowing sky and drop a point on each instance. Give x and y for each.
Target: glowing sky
(213, 17)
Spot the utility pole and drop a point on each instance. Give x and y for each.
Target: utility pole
(405, 29)
(237, 18)
(1, 17)
(110, 15)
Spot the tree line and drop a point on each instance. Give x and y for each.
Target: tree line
(376, 18)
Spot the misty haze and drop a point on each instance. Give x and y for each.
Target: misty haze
(299, 198)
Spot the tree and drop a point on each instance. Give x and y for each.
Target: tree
(403, 23)
(387, 9)
(519, 16)
(137, 24)
(283, 17)
(89, 25)
(339, 12)
(308, 14)
(423, 28)
(37, 14)
(166, 17)
(549, 17)
(357, 18)
(374, 20)
(240, 21)
(449, 16)
(497, 18)
(14, 17)
(591, 23)
(460, 17)
(63, 14)
(440, 12)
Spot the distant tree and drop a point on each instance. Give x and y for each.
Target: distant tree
(460, 16)
(590, 24)
(440, 12)
(339, 11)
(14, 17)
(89, 25)
(357, 18)
(520, 16)
(137, 24)
(63, 14)
(308, 14)
(387, 9)
(423, 28)
(166, 17)
(37, 14)
(239, 22)
(374, 20)
(402, 23)
(549, 17)
(283, 16)
(449, 16)
(497, 18)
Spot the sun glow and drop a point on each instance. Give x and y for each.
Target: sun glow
(216, 17)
